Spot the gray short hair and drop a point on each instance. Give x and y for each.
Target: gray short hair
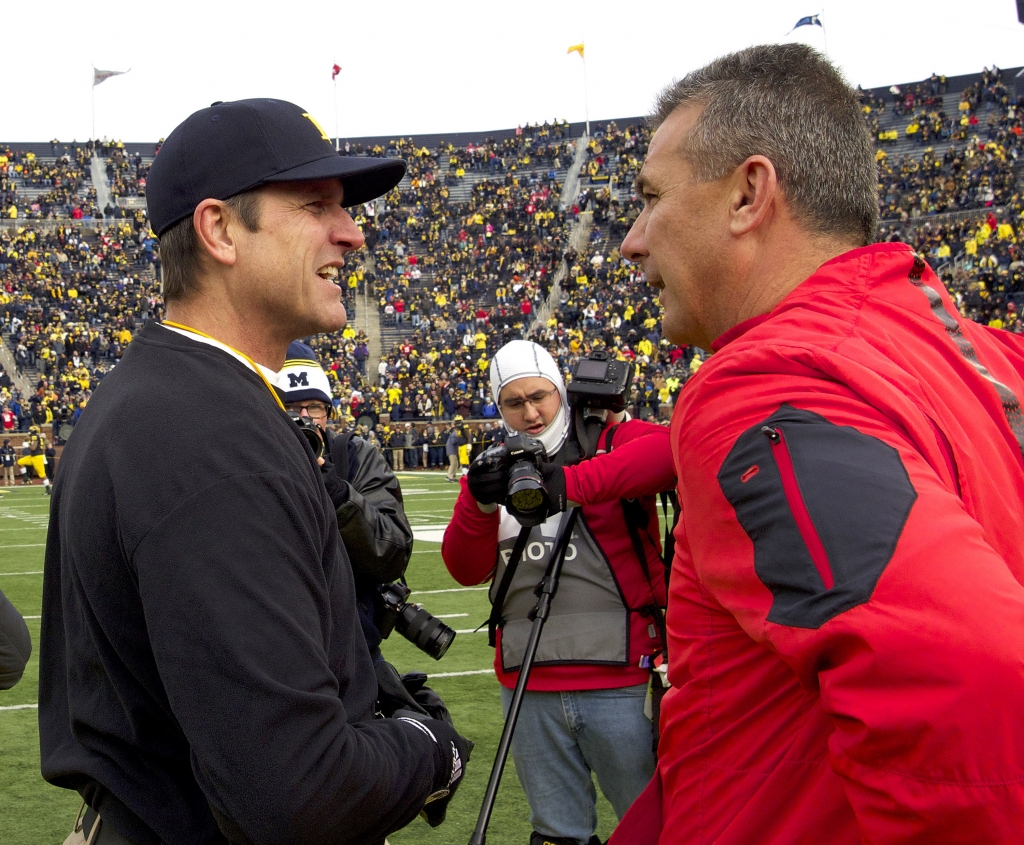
(181, 254)
(788, 103)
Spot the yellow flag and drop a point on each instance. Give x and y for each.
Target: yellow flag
(575, 48)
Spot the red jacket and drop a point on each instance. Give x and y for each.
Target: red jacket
(846, 611)
(639, 465)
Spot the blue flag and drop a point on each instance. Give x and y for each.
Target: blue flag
(810, 20)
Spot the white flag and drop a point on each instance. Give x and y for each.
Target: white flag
(99, 76)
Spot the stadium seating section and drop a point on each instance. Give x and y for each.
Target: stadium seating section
(485, 240)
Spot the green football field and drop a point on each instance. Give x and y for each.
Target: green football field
(35, 813)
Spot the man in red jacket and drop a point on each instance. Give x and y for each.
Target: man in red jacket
(846, 610)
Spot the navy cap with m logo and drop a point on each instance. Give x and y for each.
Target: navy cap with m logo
(230, 148)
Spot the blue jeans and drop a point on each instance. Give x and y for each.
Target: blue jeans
(561, 737)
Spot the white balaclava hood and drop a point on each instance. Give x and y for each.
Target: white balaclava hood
(525, 359)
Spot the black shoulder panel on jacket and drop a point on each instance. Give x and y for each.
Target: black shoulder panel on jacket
(824, 506)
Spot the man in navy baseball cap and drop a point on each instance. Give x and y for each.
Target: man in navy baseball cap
(200, 628)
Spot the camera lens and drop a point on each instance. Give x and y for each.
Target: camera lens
(527, 499)
(428, 633)
(316, 442)
(311, 431)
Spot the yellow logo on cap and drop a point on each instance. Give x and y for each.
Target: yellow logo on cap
(320, 129)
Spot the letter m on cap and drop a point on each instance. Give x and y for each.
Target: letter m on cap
(296, 379)
(320, 129)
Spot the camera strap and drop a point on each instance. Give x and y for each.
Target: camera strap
(587, 428)
(494, 620)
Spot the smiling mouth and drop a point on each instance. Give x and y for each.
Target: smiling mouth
(331, 274)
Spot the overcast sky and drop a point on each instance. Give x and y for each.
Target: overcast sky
(410, 66)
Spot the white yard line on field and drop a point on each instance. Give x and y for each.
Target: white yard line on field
(460, 674)
(428, 533)
(450, 590)
(34, 572)
(36, 706)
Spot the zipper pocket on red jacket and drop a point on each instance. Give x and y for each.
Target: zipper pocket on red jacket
(797, 506)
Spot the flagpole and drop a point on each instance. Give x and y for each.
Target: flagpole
(823, 33)
(93, 103)
(337, 135)
(586, 95)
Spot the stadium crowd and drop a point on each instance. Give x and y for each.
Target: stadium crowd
(34, 187)
(464, 253)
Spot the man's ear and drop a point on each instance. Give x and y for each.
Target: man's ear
(754, 192)
(215, 227)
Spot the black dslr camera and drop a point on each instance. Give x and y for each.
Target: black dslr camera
(311, 431)
(428, 633)
(600, 382)
(520, 456)
(527, 499)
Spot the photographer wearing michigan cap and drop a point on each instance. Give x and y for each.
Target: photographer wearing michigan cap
(846, 609)
(362, 487)
(584, 709)
(204, 677)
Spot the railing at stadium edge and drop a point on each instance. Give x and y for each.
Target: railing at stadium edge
(89, 226)
(569, 190)
(944, 217)
(572, 177)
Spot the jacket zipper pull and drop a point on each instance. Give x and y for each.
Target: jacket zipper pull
(772, 434)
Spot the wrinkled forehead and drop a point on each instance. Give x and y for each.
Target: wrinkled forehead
(668, 147)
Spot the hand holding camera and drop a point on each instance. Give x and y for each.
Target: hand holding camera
(313, 433)
(516, 474)
(554, 484)
(338, 488)
(488, 476)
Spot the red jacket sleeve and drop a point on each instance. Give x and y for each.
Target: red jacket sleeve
(639, 464)
(469, 547)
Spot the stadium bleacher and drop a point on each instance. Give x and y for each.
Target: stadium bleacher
(488, 238)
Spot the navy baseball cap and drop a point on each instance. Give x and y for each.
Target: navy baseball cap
(234, 147)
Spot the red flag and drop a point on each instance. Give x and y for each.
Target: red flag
(335, 71)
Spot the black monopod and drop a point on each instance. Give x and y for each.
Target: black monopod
(545, 594)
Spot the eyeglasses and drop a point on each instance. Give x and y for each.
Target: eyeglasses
(313, 409)
(537, 399)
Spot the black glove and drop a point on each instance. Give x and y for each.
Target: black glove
(337, 487)
(426, 699)
(451, 753)
(408, 692)
(392, 693)
(488, 476)
(554, 483)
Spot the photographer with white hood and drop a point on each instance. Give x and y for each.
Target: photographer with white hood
(584, 709)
